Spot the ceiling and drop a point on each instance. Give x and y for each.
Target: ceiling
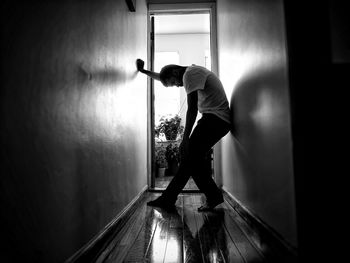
(182, 24)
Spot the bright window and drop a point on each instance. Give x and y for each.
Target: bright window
(166, 99)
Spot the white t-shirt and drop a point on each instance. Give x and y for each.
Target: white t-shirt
(211, 95)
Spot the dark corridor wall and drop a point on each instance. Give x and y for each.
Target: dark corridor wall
(257, 162)
(74, 127)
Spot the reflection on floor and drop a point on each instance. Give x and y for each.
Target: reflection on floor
(185, 235)
(162, 182)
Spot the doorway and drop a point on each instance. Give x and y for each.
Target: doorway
(179, 34)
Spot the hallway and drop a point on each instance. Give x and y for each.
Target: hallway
(182, 234)
(76, 134)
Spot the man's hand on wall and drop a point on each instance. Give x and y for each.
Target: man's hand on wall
(140, 64)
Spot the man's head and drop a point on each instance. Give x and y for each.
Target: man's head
(171, 75)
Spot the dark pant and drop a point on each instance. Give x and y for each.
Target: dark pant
(208, 131)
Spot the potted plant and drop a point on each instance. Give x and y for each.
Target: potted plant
(160, 159)
(170, 127)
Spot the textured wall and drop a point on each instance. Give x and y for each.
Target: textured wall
(257, 163)
(74, 123)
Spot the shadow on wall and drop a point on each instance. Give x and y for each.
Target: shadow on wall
(104, 76)
(248, 95)
(259, 108)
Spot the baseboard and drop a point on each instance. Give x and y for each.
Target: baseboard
(273, 245)
(96, 245)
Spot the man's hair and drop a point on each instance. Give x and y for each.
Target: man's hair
(167, 72)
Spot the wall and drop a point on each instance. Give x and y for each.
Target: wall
(74, 124)
(257, 164)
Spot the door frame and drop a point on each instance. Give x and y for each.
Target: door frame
(181, 8)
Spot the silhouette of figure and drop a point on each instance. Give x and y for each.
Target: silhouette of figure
(205, 94)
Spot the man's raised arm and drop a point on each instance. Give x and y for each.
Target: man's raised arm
(140, 67)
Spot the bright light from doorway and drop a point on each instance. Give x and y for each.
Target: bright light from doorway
(207, 59)
(167, 99)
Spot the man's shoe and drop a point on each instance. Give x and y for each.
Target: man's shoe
(210, 205)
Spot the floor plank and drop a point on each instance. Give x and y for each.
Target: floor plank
(223, 241)
(174, 249)
(210, 251)
(157, 248)
(122, 248)
(191, 243)
(119, 246)
(142, 243)
(271, 251)
(243, 244)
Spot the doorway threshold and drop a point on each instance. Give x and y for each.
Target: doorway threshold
(184, 191)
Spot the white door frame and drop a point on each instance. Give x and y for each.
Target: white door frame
(180, 8)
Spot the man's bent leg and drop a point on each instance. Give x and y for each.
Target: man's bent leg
(178, 182)
(207, 133)
(204, 180)
(169, 196)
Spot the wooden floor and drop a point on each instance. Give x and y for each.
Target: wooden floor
(183, 235)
